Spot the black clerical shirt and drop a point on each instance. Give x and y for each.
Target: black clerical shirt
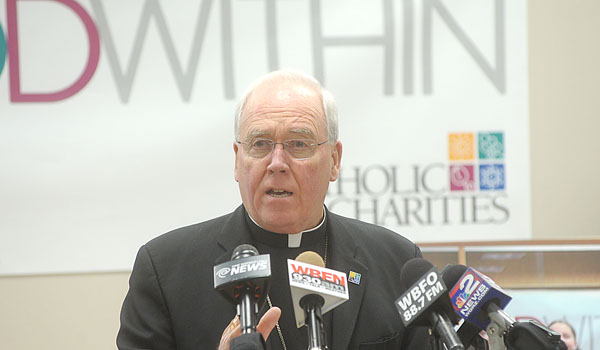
(277, 246)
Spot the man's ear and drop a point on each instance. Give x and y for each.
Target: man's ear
(336, 159)
(235, 168)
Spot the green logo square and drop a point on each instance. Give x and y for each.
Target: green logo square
(491, 145)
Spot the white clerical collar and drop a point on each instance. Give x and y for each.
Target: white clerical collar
(294, 239)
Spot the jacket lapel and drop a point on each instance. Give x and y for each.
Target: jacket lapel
(345, 258)
(233, 233)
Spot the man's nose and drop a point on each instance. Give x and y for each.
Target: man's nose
(279, 159)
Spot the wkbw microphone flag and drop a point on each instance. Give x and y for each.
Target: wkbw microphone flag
(472, 292)
(423, 293)
(307, 279)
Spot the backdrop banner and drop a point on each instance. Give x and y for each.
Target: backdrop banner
(581, 308)
(116, 117)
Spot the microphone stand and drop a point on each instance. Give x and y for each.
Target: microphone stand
(500, 323)
(434, 340)
(312, 304)
(443, 329)
(250, 339)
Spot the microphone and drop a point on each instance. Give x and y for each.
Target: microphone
(315, 290)
(245, 282)
(468, 333)
(426, 302)
(480, 301)
(477, 299)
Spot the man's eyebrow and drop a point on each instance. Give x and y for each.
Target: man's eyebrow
(303, 131)
(257, 133)
(264, 133)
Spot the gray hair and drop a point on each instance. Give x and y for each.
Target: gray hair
(329, 105)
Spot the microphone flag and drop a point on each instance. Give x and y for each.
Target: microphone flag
(420, 295)
(254, 271)
(307, 279)
(472, 292)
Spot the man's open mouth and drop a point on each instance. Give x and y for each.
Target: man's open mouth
(279, 193)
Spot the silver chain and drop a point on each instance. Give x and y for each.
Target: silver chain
(271, 305)
(277, 325)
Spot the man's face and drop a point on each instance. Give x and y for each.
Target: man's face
(281, 193)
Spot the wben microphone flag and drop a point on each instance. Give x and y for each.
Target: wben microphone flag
(472, 292)
(307, 279)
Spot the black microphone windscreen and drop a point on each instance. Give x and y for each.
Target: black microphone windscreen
(244, 251)
(413, 270)
(452, 273)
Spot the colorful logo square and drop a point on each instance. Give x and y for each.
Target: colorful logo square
(491, 145)
(461, 146)
(491, 177)
(462, 177)
(354, 277)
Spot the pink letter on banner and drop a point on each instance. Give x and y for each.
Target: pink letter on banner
(13, 55)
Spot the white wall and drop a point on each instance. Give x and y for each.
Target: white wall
(81, 311)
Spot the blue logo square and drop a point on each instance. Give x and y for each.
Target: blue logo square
(492, 177)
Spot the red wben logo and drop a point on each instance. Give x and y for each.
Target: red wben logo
(323, 275)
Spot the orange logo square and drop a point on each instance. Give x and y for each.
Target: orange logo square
(461, 146)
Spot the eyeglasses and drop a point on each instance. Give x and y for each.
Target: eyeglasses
(297, 148)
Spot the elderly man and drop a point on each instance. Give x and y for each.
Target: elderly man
(286, 153)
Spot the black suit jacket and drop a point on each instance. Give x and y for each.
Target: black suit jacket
(171, 302)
